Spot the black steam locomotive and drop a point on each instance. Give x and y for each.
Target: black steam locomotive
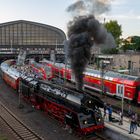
(77, 110)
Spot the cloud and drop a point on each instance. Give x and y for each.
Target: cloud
(118, 2)
(128, 16)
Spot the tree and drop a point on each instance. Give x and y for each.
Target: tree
(132, 44)
(125, 45)
(136, 42)
(115, 29)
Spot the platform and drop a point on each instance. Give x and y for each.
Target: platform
(121, 132)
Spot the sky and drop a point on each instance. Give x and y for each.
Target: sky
(53, 12)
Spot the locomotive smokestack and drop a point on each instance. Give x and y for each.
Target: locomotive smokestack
(83, 32)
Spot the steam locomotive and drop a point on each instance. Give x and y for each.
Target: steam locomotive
(78, 110)
(73, 108)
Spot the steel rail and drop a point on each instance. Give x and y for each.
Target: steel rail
(20, 130)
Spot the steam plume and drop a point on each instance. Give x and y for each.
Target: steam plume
(95, 7)
(83, 32)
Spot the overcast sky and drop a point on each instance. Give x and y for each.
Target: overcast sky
(53, 12)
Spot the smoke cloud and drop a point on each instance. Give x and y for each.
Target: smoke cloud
(83, 7)
(83, 32)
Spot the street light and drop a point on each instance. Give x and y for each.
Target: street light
(102, 76)
(19, 92)
(20, 63)
(122, 91)
(11, 42)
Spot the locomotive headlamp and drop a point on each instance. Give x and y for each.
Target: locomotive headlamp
(85, 122)
(99, 120)
(128, 93)
(89, 101)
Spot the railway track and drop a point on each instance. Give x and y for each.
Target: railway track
(97, 136)
(20, 130)
(100, 136)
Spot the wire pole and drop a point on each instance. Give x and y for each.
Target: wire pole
(122, 91)
(11, 41)
(102, 75)
(65, 74)
(19, 92)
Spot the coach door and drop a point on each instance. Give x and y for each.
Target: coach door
(72, 77)
(120, 90)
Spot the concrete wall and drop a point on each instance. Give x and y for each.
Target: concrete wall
(119, 61)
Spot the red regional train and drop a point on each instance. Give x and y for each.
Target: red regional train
(9, 74)
(112, 83)
(73, 108)
(45, 71)
(12, 72)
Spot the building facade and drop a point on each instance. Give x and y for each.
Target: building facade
(32, 36)
(116, 62)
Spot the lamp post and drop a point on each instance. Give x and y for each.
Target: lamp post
(102, 76)
(11, 46)
(122, 91)
(19, 92)
(21, 59)
(66, 45)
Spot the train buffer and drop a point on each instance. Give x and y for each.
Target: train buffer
(120, 132)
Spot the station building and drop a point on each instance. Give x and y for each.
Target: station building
(32, 36)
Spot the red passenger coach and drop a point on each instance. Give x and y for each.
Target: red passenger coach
(113, 83)
(10, 74)
(12, 80)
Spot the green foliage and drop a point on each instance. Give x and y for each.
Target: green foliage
(126, 45)
(135, 42)
(3, 137)
(115, 29)
(133, 45)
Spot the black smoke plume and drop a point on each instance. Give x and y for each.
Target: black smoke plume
(83, 32)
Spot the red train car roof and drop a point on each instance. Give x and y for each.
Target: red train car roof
(113, 76)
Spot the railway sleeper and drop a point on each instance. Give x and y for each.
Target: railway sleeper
(29, 137)
(26, 133)
(32, 138)
(22, 131)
